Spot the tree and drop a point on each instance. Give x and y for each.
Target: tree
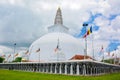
(109, 61)
(1, 59)
(18, 59)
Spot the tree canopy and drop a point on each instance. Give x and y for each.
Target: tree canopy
(18, 59)
(1, 59)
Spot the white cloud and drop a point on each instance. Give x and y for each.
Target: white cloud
(116, 28)
(115, 9)
(108, 29)
(5, 50)
(12, 2)
(102, 21)
(115, 23)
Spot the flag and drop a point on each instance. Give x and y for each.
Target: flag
(112, 54)
(38, 50)
(85, 36)
(27, 52)
(16, 54)
(3, 56)
(9, 55)
(89, 31)
(14, 43)
(56, 49)
(109, 53)
(101, 48)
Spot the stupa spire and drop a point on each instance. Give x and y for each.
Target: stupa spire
(58, 17)
(58, 23)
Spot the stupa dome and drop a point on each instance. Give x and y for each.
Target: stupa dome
(68, 44)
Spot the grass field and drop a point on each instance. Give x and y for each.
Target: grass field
(19, 75)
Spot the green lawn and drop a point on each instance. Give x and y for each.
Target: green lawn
(19, 75)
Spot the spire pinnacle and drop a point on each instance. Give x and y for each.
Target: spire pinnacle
(58, 18)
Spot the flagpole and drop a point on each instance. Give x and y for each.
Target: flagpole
(102, 51)
(85, 54)
(103, 56)
(58, 51)
(111, 59)
(114, 59)
(57, 55)
(109, 56)
(39, 56)
(86, 47)
(115, 56)
(14, 50)
(7, 59)
(93, 45)
(28, 55)
(38, 51)
(118, 58)
(30, 52)
(27, 52)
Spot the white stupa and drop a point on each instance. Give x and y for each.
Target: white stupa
(68, 45)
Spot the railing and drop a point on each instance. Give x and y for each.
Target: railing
(78, 67)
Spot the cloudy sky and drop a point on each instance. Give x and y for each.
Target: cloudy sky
(24, 21)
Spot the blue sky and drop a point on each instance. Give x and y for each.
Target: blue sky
(24, 21)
